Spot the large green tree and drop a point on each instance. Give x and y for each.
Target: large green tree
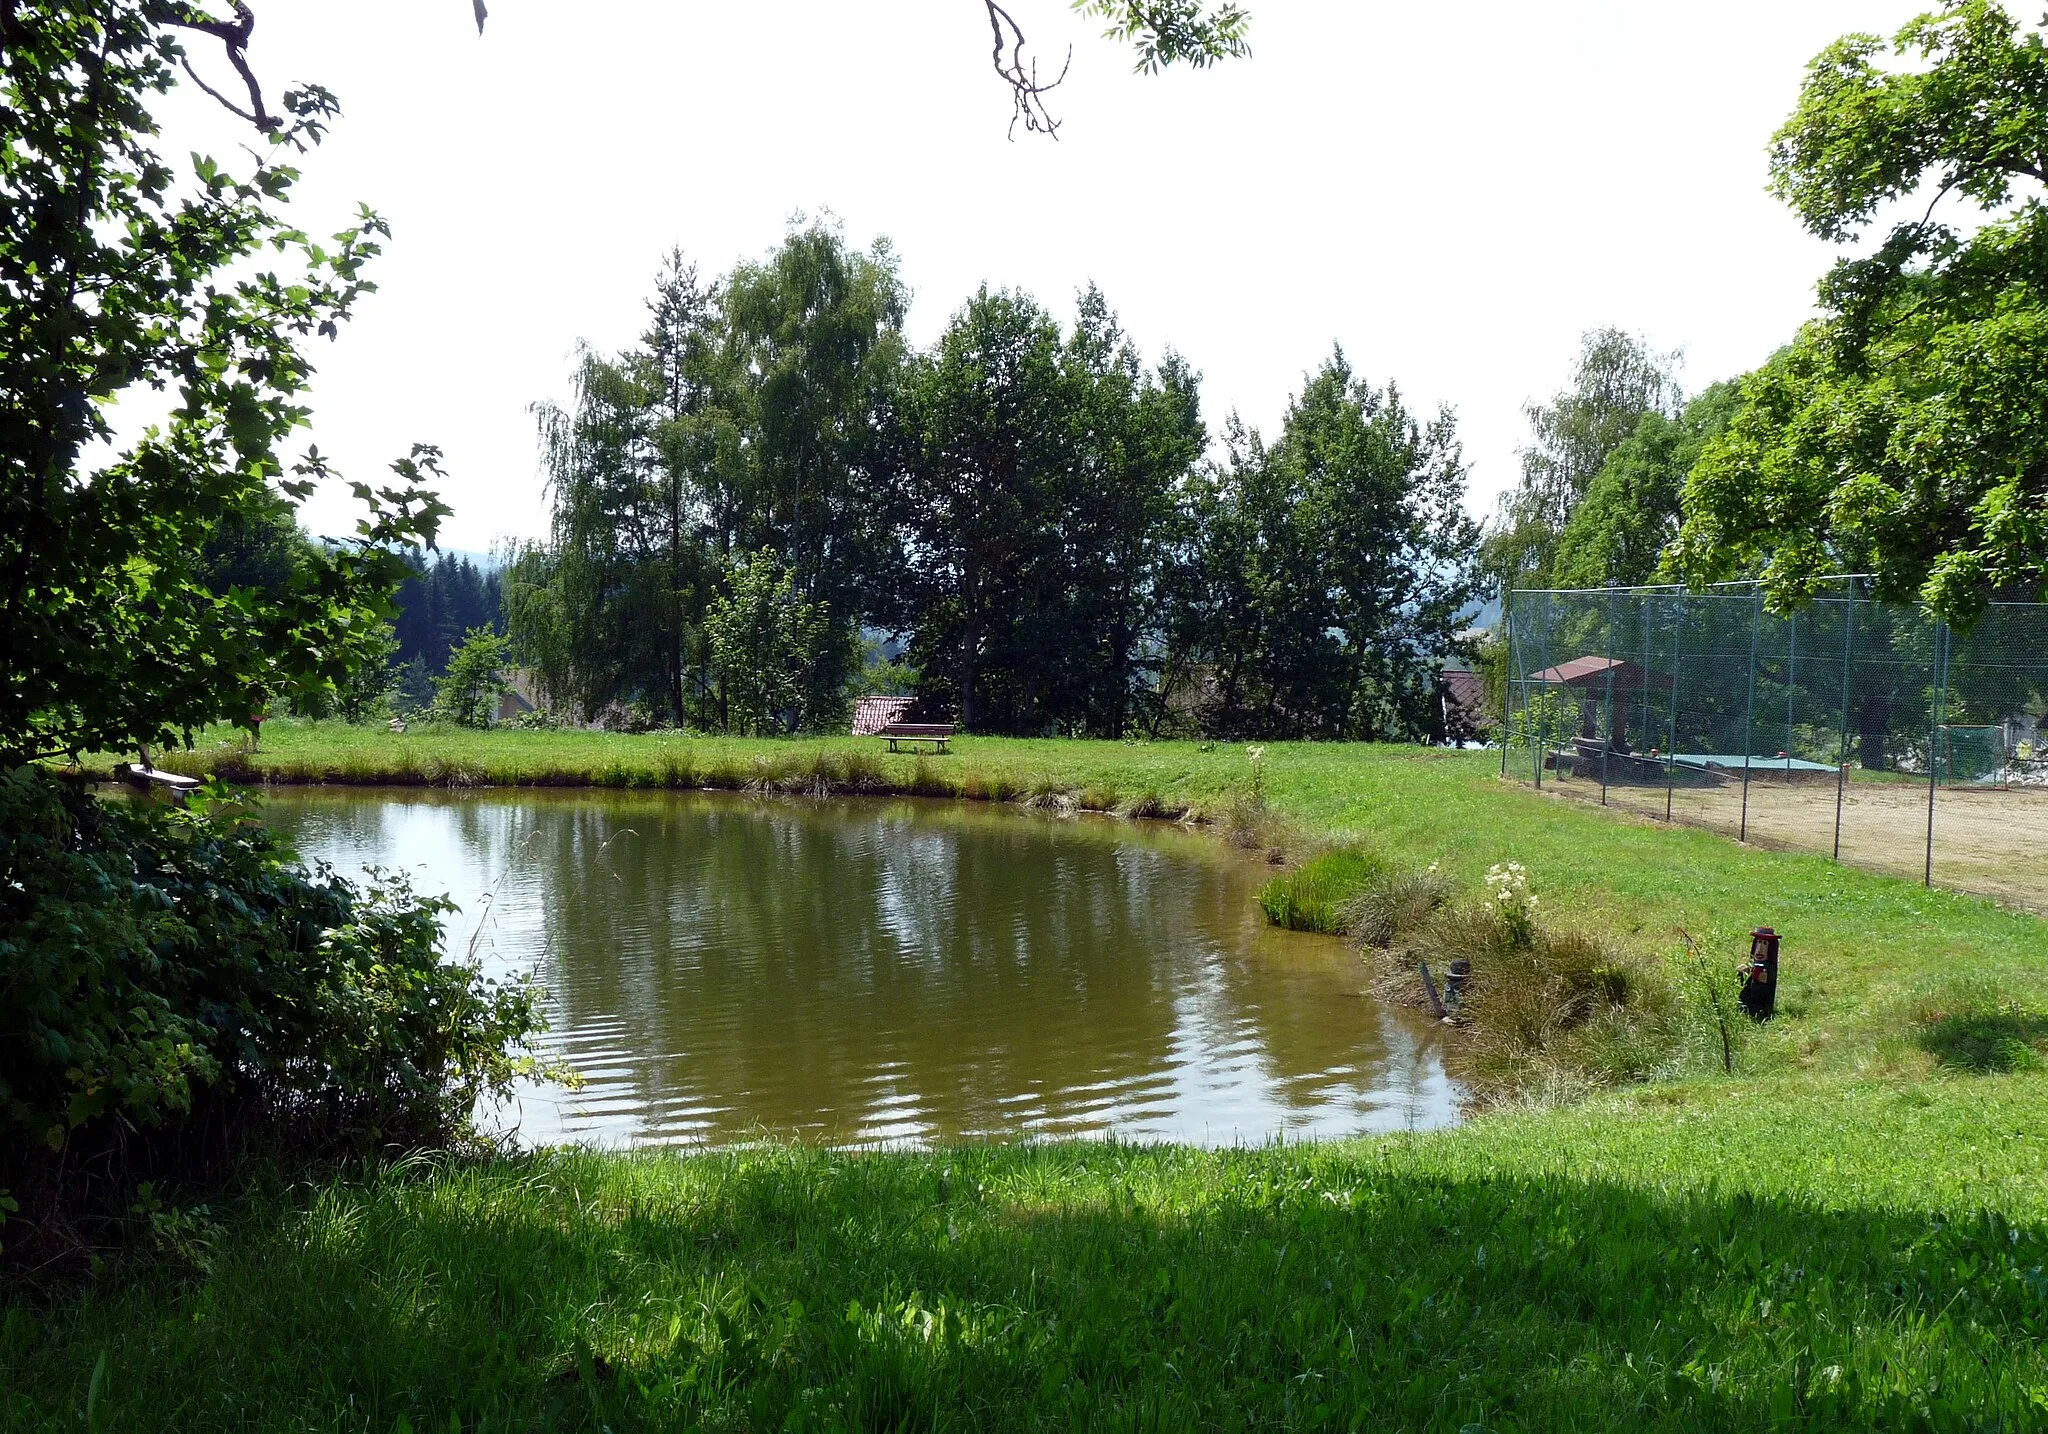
(1330, 572)
(1035, 499)
(746, 418)
(984, 443)
(815, 336)
(762, 636)
(1617, 382)
(610, 608)
(1905, 432)
(120, 274)
(1631, 510)
(1138, 436)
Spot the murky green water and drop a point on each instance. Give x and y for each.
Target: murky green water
(719, 967)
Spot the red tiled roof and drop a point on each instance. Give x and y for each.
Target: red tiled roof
(1466, 690)
(872, 714)
(1592, 671)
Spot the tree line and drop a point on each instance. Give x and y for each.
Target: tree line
(1903, 432)
(774, 473)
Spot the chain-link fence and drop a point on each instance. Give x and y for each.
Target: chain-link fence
(1871, 731)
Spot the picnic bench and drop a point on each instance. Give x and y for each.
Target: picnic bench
(936, 733)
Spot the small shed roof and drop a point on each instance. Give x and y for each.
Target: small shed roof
(872, 714)
(1593, 671)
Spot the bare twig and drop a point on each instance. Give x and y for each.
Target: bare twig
(1027, 91)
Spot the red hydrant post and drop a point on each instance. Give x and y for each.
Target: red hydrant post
(1760, 978)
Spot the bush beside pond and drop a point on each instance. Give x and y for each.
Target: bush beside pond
(176, 990)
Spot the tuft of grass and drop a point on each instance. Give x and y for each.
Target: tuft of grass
(1318, 894)
(1555, 1016)
(1046, 795)
(983, 786)
(861, 774)
(678, 770)
(1393, 904)
(1985, 1036)
(1143, 806)
(724, 774)
(1249, 824)
(926, 780)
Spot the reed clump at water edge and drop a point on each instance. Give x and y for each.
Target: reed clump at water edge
(1540, 1010)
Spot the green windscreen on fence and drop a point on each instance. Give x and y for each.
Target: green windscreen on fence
(1873, 732)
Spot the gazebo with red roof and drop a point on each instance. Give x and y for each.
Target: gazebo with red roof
(1594, 677)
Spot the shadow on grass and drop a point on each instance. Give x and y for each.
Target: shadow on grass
(1988, 1042)
(1099, 1287)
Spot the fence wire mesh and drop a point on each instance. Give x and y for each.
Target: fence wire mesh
(1870, 731)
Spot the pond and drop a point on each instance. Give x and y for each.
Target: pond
(721, 968)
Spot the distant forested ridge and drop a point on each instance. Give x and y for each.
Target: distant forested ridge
(445, 596)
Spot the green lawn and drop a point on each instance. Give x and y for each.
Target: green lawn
(1853, 1233)
(1784, 1255)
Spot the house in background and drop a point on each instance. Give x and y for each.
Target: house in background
(1462, 693)
(519, 697)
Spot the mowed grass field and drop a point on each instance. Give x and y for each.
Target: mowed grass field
(1850, 1233)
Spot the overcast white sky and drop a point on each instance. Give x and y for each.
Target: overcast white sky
(1453, 192)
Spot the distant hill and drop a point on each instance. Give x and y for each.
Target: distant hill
(1484, 614)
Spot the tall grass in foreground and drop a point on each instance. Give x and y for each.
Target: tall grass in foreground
(1498, 1280)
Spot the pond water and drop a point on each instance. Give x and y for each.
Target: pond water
(721, 967)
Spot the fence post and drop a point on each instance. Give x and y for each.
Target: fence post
(1791, 685)
(1940, 701)
(1607, 747)
(1507, 687)
(1643, 619)
(1543, 717)
(1842, 757)
(1671, 742)
(1756, 621)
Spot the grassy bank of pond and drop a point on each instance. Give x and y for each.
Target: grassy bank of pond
(1873, 966)
(1851, 1232)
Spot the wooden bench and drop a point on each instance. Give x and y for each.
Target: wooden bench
(936, 733)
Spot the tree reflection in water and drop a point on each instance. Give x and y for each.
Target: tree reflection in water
(724, 967)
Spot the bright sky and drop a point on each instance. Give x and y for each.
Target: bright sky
(1453, 192)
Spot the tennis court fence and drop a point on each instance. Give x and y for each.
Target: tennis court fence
(1869, 731)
